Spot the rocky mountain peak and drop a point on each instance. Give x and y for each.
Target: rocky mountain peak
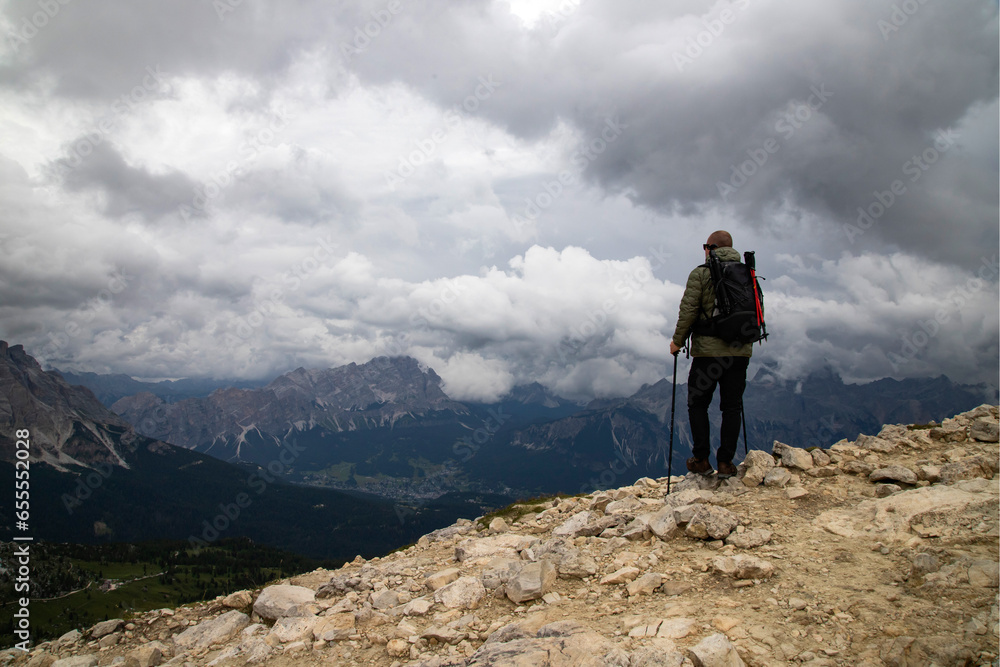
(346, 398)
(68, 425)
(877, 551)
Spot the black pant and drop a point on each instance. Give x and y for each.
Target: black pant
(730, 373)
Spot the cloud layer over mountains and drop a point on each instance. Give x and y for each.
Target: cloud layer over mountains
(507, 191)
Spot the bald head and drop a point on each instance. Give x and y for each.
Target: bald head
(721, 238)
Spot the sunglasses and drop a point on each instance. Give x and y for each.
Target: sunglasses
(709, 246)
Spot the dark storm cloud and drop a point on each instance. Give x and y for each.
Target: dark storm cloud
(127, 189)
(101, 49)
(775, 119)
(835, 102)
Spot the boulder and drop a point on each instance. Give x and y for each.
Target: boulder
(70, 637)
(820, 458)
(715, 651)
(149, 655)
(294, 628)
(573, 526)
(985, 429)
(663, 524)
(499, 571)
(463, 593)
(894, 474)
(933, 511)
(792, 457)
(663, 653)
(106, 628)
(930, 473)
(676, 628)
(984, 574)
(756, 465)
(576, 565)
(777, 477)
(950, 430)
(442, 578)
(858, 468)
(711, 522)
(276, 601)
(627, 505)
(532, 582)
(977, 467)
(638, 529)
(751, 539)
(560, 644)
(418, 607)
(238, 600)
(386, 599)
(621, 576)
(645, 585)
(688, 497)
(212, 631)
(743, 567)
(333, 628)
(683, 514)
(89, 660)
(506, 545)
(398, 648)
(886, 490)
(873, 443)
(443, 635)
(498, 525)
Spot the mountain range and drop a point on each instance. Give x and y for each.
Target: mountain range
(364, 457)
(94, 478)
(389, 428)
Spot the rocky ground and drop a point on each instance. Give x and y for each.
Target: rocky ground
(882, 551)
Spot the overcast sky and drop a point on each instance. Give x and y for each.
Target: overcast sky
(507, 191)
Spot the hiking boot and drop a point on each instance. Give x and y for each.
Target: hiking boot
(700, 466)
(726, 469)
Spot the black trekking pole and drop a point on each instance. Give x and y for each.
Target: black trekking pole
(673, 402)
(743, 418)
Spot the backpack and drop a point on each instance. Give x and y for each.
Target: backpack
(738, 315)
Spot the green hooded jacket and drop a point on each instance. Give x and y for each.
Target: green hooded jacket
(699, 296)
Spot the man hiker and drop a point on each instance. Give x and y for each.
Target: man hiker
(714, 361)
